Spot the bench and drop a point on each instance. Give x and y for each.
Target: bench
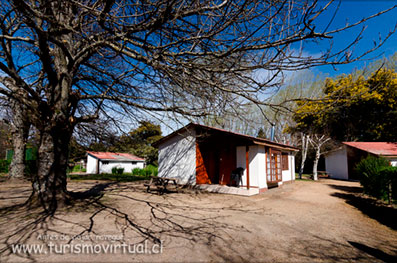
(322, 174)
(160, 184)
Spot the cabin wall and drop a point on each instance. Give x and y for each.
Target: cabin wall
(241, 162)
(92, 165)
(261, 167)
(393, 161)
(336, 164)
(106, 166)
(257, 165)
(177, 158)
(289, 175)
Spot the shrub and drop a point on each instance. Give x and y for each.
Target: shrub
(389, 177)
(152, 170)
(4, 165)
(117, 170)
(78, 168)
(372, 178)
(149, 170)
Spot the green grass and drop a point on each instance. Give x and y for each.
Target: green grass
(305, 177)
(78, 168)
(136, 175)
(109, 177)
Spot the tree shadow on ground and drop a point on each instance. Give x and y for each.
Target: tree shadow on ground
(379, 254)
(384, 214)
(188, 220)
(163, 219)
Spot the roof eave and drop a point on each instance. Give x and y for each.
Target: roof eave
(285, 148)
(251, 138)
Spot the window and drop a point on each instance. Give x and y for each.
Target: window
(273, 163)
(285, 161)
(134, 162)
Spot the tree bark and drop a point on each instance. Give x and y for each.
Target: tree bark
(19, 131)
(315, 163)
(317, 142)
(49, 185)
(305, 146)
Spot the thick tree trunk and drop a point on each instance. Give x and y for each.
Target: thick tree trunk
(20, 131)
(49, 185)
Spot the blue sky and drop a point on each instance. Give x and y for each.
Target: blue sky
(350, 12)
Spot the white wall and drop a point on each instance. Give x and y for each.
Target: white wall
(393, 162)
(336, 164)
(240, 162)
(91, 164)
(254, 165)
(177, 158)
(257, 165)
(289, 174)
(293, 172)
(261, 166)
(128, 166)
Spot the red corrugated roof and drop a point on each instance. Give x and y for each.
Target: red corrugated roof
(115, 156)
(378, 148)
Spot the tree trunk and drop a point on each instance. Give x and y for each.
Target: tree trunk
(19, 131)
(315, 163)
(49, 185)
(305, 146)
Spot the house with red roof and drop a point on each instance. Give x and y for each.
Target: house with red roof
(222, 161)
(103, 162)
(341, 162)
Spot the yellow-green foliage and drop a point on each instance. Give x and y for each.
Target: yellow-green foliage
(353, 108)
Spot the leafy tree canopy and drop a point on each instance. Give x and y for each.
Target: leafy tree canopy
(139, 141)
(353, 108)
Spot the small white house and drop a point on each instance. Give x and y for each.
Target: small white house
(202, 155)
(103, 162)
(341, 162)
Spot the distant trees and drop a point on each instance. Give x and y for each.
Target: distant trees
(20, 127)
(5, 138)
(139, 141)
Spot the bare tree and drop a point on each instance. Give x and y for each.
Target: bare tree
(317, 142)
(76, 60)
(305, 147)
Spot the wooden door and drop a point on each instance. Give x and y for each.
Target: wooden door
(227, 163)
(273, 162)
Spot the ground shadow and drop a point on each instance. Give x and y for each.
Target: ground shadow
(96, 191)
(379, 254)
(384, 214)
(348, 189)
(93, 202)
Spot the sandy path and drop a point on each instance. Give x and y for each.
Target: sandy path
(303, 221)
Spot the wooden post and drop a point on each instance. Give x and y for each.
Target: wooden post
(247, 165)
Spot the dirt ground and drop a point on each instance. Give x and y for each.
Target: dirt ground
(303, 221)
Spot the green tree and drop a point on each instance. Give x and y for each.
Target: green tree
(139, 142)
(261, 133)
(353, 108)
